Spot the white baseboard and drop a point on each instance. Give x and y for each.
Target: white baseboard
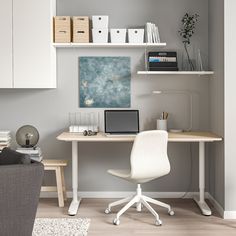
(115, 194)
(227, 215)
(217, 206)
(230, 215)
(101, 194)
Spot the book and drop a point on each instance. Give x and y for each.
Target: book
(39, 159)
(157, 34)
(31, 151)
(152, 33)
(35, 153)
(5, 139)
(5, 132)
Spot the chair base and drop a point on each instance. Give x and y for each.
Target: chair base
(139, 200)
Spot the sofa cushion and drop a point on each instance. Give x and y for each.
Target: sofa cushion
(11, 157)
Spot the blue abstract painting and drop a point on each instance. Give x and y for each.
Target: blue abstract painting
(104, 82)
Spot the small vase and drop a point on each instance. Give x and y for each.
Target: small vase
(188, 63)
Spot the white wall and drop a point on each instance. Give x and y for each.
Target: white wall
(230, 111)
(48, 109)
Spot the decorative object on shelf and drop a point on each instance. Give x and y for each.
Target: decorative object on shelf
(100, 22)
(80, 29)
(186, 32)
(118, 35)
(162, 61)
(184, 92)
(62, 29)
(152, 33)
(136, 35)
(104, 82)
(100, 35)
(84, 121)
(199, 64)
(27, 136)
(100, 29)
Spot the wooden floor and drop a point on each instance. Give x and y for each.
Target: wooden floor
(187, 221)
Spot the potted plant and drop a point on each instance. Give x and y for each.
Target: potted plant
(186, 32)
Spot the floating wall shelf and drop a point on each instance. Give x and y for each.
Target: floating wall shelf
(108, 45)
(175, 73)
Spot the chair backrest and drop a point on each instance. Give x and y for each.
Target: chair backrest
(149, 159)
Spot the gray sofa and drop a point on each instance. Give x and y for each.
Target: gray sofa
(20, 184)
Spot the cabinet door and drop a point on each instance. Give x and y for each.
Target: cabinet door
(6, 44)
(34, 55)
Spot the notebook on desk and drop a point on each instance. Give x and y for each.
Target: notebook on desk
(121, 122)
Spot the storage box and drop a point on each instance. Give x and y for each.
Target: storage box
(136, 35)
(162, 61)
(100, 22)
(80, 29)
(100, 35)
(118, 35)
(62, 29)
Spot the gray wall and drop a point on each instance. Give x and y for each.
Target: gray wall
(216, 63)
(48, 109)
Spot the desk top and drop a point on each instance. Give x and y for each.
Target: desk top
(173, 137)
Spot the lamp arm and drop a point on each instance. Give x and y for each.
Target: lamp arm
(180, 92)
(191, 112)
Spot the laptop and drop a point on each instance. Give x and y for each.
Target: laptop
(121, 122)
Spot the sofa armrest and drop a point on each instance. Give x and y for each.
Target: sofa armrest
(19, 190)
(11, 157)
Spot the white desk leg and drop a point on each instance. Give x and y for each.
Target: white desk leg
(200, 200)
(75, 202)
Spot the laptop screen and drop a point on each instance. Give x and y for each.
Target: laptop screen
(121, 121)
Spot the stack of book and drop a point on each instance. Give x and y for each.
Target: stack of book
(35, 153)
(152, 33)
(5, 139)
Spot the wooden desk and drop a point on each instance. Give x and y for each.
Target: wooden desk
(198, 137)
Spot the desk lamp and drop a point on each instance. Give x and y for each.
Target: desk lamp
(159, 92)
(27, 136)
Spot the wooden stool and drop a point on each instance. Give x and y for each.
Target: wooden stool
(58, 166)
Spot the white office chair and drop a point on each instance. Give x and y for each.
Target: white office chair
(148, 161)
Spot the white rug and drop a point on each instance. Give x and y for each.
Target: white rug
(61, 227)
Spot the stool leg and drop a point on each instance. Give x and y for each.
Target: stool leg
(59, 187)
(63, 183)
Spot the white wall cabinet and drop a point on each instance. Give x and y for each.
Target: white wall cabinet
(6, 44)
(29, 55)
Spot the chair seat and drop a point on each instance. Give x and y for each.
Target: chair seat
(125, 174)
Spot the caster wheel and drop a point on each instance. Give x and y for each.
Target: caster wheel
(108, 210)
(171, 213)
(116, 221)
(158, 222)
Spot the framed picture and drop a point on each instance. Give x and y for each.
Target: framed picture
(104, 82)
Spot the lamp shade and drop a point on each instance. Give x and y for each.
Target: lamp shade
(27, 136)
